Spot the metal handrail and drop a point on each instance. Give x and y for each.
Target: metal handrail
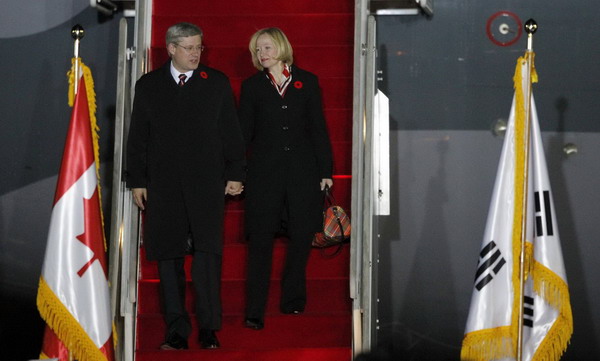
(360, 276)
(125, 217)
(122, 300)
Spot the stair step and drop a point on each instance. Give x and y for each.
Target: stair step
(259, 354)
(236, 30)
(324, 296)
(234, 263)
(281, 331)
(342, 157)
(339, 124)
(250, 8)
(322, 34)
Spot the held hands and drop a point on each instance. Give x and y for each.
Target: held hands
(326, 182)
(234, 188)
(140, 195)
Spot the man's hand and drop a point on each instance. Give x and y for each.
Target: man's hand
(234, 188)
(140, 195)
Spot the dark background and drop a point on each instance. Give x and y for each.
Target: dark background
(448, 83)
(36, 48)
(441, 73)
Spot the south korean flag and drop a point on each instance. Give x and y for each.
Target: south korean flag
(547, 323)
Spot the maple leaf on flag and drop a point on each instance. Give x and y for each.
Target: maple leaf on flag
(92, 235)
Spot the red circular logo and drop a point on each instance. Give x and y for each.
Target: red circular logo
(504, 28)
(298, 84)
(203, 75)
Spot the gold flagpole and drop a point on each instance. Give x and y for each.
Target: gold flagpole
(530, 28)
(77, 33)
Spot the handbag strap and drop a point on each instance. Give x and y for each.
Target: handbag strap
(329, 201)
(339, 221)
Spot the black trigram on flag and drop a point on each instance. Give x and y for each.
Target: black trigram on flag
(543, 214)
(527, 311)
(490, 263)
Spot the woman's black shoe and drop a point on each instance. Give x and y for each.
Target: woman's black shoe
(254, 323)
(208, 339)
(292, 312)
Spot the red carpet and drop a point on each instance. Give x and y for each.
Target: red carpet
(321, 33)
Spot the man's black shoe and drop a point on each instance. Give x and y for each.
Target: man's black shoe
(208, 339)
(254, 323)
(174, 342)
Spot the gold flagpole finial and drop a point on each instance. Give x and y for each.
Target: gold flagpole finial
(77, 33)
(530, 28)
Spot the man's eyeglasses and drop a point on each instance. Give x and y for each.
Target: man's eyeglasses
(191, 49)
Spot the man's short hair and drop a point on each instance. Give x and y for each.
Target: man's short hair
(285, 52)
(182, 30)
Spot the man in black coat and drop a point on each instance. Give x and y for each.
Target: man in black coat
(185, 152)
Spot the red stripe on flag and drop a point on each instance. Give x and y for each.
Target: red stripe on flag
(53, 347)
(108, 349)
(78, 155)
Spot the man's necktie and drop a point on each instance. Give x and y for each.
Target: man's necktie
(182, 79)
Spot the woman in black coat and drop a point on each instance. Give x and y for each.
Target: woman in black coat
(289, 164)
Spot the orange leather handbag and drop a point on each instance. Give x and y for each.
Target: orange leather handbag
(336, 225)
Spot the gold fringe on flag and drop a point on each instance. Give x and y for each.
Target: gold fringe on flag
(494, 343)
(91, 99)
(489, 344)
(522, 134)
(547, 284)
(555, 292)
(66, 327)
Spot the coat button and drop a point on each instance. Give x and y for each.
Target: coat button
(287, 149)
(284, 107)
(285, 127)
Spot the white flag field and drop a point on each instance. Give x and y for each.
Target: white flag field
(521, 224)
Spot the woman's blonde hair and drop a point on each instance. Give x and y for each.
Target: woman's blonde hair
(281, 42)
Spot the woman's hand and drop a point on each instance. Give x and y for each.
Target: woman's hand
(234, 188)
(326, 182)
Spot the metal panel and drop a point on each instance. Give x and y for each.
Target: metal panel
(358, 120)
(123, 306)
(362, 260)
(369, 243)
(449, 84)
(125, 222)
(142, 38)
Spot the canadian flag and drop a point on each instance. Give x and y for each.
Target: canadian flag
(73, 295)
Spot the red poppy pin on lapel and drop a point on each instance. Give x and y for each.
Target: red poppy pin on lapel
(298, 84)
(203, 75)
